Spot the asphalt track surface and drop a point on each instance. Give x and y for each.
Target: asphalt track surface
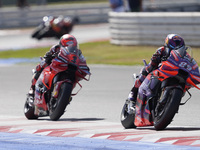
(92, 119)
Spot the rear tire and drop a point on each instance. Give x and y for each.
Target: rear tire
(57, 108)
(29, 109)
(127, 120)
(165, 116)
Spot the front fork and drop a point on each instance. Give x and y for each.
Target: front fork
(164, 98)
(57, 87)
(58, 84)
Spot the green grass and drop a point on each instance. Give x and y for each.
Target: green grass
(106, 53)
(25, 53)
(101, 53)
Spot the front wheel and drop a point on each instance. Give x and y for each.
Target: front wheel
(37, 30)
(165, 113)
(127, 117)
(58, 105)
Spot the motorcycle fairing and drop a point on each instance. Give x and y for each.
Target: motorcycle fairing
(146, 93)
(179, 65)
(40, 105)
(170, 68)
(43, 84)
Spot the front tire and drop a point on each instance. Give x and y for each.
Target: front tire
(58, 105)
(127, 119)
(37, 31)
(164, 116)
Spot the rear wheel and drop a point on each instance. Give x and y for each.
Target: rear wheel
(127, 118)
(29, 108)
(58, 105)
(165, 113)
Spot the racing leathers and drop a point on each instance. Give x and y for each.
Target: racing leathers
(157, 57)
(52, 53)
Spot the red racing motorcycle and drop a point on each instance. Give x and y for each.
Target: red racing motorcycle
(54, 87)
(160, 94)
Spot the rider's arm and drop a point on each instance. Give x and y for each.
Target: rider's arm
(51, 53)
(157, 57)
(155, 60)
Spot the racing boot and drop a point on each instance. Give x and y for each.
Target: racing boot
(31, 92)
(132, 97)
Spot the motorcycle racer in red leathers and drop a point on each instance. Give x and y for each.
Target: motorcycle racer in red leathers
(172, 41)
(65, 40)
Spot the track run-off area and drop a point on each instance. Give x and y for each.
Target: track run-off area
(92, 120)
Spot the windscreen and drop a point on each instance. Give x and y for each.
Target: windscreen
(69, 49)
(182, 51)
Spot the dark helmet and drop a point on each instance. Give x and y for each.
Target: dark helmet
(68, 40)
(174, 41)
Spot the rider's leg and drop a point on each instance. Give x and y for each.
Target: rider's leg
(36, 75)
(134, 91)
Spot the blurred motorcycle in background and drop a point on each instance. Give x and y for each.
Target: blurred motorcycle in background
(54, 27)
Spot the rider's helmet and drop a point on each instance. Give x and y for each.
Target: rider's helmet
(68, 40)
(67, 21)
(68, 45)
(173, 41)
